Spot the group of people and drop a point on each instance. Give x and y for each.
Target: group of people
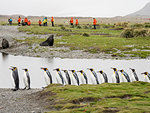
(44, 22)
(76, 23)
(23, 22)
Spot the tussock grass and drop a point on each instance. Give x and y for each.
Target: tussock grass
(100, 40)
(123, 97)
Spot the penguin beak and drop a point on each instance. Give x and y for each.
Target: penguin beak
(142, 73)
(10, 68)
(42, 68)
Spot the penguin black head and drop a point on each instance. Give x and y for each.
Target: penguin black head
(91, 69)
(146, 73)
(100, 71)
(121, 70)
(114, 69)
(45, 69)
(72, 71)
(64, 70)
(132, 69)
(13, 68)
(57, 69)
(25, 70)
(81, 71)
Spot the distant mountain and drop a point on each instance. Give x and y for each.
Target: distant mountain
(144, 12)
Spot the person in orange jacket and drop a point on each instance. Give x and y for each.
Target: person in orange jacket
(40, 23)
(52, 21)
(29, 23)
(71, 21)
(26, 21)
(77, 22)
(94, 23)
(19, 21)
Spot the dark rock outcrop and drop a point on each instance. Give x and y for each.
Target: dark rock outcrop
(48, 42)
(5, 44)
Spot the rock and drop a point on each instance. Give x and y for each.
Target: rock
(48, 42)
(5, 44)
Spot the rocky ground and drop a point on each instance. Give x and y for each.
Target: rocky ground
(16, 48)
(21, 101)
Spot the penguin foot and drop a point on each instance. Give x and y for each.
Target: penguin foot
(14, 89)
(28, 88)
(24, 88)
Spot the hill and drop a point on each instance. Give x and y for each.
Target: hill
(144, 12)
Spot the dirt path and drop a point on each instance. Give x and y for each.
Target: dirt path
(21, 101)
(16, 48)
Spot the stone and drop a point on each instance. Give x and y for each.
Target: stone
(5, 44)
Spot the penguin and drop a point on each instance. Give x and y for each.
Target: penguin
(116, 75)
(84, 75)
(135, 75)
(75, 76)
(47, 76)
(125, 75)
(147, 75)
(104, 76)
(60, 75)
(15, 77)
(67, 76)
(26, 79)
(95, 75)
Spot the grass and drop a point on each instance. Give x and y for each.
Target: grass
(124, 97)
(100, 40)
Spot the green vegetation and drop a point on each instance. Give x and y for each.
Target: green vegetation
(106, 38)
(111, 97)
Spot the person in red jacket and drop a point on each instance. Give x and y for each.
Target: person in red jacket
(26, 21)
(77, 22)
(29, 23)
(52, 21)
(71, 21)
(40, 23)
(19, 21)
(94, 23)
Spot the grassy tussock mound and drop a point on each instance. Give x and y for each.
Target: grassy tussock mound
(130, 33)
(124, 97)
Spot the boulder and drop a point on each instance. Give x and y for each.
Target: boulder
(48, 42)
(5, 44)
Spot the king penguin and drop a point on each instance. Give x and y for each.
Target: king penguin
(67, 76)
(15, 77)
(95, 75)
(134, 74)
(60, 75)
(47, 76)
(26, 79)
(125, 75)
(75, 76)
(147, 75)
(84, 75)
(116, 75)
(104, 76)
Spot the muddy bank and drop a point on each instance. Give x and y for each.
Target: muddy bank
(21, 101)
(20, 48)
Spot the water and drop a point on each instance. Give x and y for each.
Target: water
(37, 75)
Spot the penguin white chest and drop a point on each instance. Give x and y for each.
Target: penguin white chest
(25, 79)
(47, 79)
